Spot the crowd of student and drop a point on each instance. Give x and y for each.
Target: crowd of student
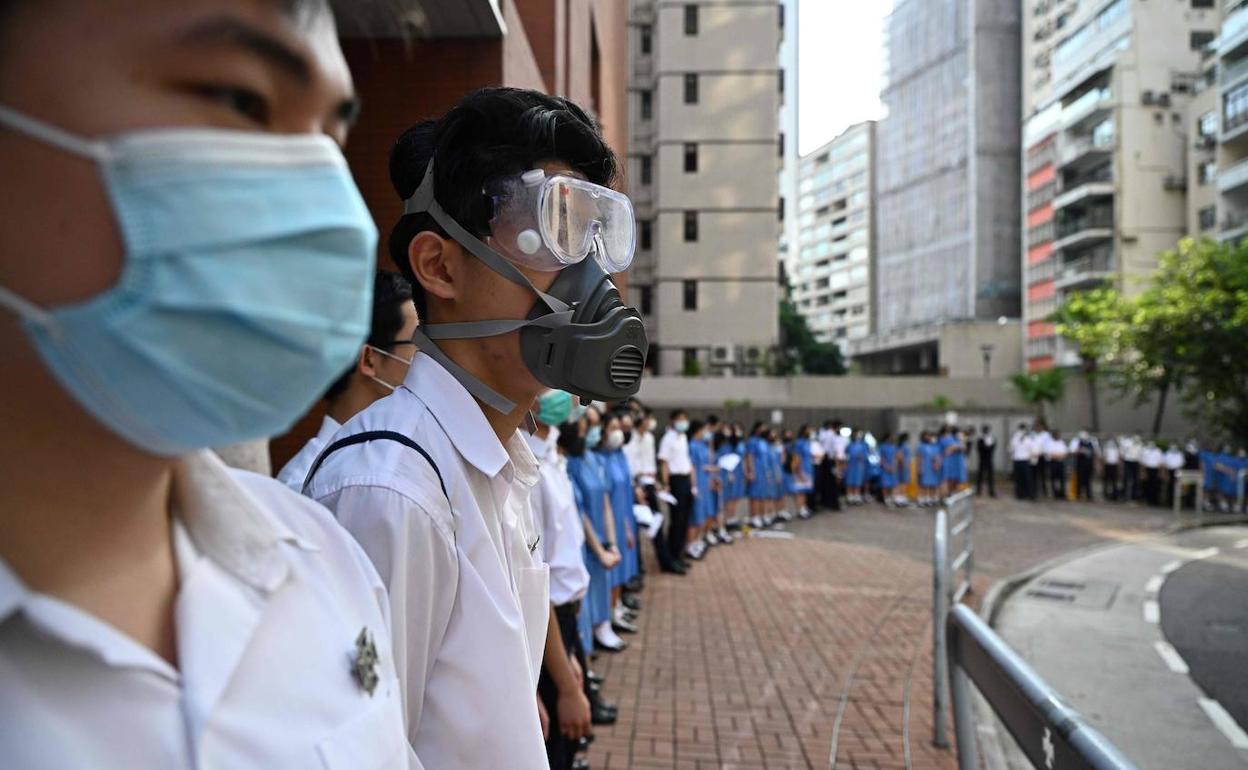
(1130, 469)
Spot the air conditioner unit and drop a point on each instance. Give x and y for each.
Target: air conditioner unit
(1175, 183)
(723, 354)
(1163, 99)
(1148, 98)
(753, 354)
(1205, 142)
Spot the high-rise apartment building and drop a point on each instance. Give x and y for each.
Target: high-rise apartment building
(1224, 129)
(786, 243)
(705, 152)
(947, 182)
(1107, 153)
(829, 273)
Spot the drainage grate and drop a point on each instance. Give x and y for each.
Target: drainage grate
(1072, 592)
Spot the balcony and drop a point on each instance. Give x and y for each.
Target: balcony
(1084, 150)
(1234, 227)
(1088, 269)
(1085, 189)
(1234, 32)
(1234, 72)
(1093, 104)
(1233, 178)
(643, 70)
(1084, 231)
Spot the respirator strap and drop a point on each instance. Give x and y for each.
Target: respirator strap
(424, 202)
(483, 393)
(470, 330)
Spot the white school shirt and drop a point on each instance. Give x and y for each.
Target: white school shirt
(1020, 447)
(1111, 453)
(1151, 457)
(1174, 459)
(674, 450)
(468, 599)
(559, 523)
(272, 597)
(296, 470)
(639, 452)
(1131, 451)
(1056, 449)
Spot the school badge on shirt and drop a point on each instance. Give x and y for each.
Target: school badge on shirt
(364, 667)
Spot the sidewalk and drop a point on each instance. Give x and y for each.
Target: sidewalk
(1091, 628)
(771, 647)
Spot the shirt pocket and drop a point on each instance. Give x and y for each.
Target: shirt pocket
(374, 740)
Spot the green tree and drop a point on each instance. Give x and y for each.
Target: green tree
(802, 349)
(1095, 320)
(1040, 388)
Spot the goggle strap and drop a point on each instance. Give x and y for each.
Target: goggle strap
(423, 201)
(482, 392)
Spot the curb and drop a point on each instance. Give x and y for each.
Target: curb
(993, 745)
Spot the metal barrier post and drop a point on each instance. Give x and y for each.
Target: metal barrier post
(1239, 496)
(963, 717)
(1182, 480)
(940, 653)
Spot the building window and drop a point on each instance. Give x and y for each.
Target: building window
(691, 20)
(647, 40)
(647, 105)
(691, 295)
(691, 227)
(781, 84)
(1208, 172)
(691, 158)
(647, 169)
(644, 300)
(1208, 217)
(780, 144)
(1208, 124)
(1202, 3)
(780, 208)
(1200, 39)
(690, 362)
(644, 234)
(691, 88)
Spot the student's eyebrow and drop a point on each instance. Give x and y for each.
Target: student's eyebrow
(228, 31)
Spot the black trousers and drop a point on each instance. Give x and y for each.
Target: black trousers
(1022, 480)
(1110, 486)
(560, 749)
(1040, 487)
(1083, 478)
(830, 492)
(1131, 480)
(987, 472)
(1152, 486)
(1057, 474)
(661, 553)
(678, 528)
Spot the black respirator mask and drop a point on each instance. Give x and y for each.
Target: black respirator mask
(579, 336)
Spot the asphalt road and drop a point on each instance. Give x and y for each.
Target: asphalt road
(1204, 614)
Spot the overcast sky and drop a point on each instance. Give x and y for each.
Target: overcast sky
(840, 61)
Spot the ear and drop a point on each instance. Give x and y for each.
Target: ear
(435, 262)
(366, 364)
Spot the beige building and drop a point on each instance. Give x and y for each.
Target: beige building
(829, 271)
(1226, 126)
(705, 152)
(1106, 156)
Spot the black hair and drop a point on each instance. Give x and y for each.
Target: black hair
(903, 438)
(490, 134)
(695, 426)
(390, 292)
(678, 413)
(712, 420)
(888, 436)
(570, 439)
(758, 426)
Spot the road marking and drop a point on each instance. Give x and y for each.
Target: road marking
(1224, 722)
(1152, 613)
(1208, 553)
(1171, 566)
(1242, 543)
(1171, 656)
(1154, 584)
(776, 535)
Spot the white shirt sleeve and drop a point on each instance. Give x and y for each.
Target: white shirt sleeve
(416, 558)
(666, 447)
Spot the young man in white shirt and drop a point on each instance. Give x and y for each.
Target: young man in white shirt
(437, 486)
(1111, 468)
(1151, 461)
(1132, 448)
(376, 372)
(675, 478)
(1056, 456)
(186, 264)
(1020, 454)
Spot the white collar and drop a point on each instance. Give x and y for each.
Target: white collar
(463, 422)
(222, 520)
(329, 426)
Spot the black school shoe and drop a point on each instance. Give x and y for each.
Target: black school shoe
(631, 602)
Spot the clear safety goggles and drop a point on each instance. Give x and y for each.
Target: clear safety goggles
(549, 222)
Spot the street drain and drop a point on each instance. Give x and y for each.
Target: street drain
(1085, 594)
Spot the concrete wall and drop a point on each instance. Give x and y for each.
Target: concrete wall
(962, 355)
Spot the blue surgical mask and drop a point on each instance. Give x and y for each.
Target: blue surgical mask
(681, 426)
(245, 288)
(593, 436)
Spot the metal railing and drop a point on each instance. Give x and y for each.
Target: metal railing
(966, 651)
(948, 589)
(1049, 732)
(1183, 480)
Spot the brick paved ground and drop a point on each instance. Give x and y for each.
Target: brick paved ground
(755, 658)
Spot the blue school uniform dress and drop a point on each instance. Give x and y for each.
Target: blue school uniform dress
(856, 463)
(620, 492)
(903, 473)
(953, 467)
(806, 463)
(739, 473)
(699, 457)
(590, 484)
(759, 486)
(929, 476)
(727, 479)
(787, 479)
(775, 453)
(888, 468)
